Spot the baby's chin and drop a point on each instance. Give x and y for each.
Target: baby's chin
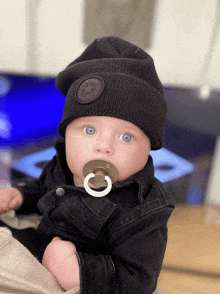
(77, 181)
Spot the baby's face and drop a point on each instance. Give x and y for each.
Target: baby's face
(107, 138)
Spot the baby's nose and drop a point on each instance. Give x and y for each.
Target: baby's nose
(104, 147)
(104, 150)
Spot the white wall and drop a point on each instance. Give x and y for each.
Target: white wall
(181, 33)
(13, 46)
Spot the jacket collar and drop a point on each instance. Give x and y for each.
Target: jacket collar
(144, 178)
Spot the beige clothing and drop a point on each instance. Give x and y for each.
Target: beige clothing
(21, 272)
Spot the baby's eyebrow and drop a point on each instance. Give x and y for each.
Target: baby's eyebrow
(86, 123)
(127, 129)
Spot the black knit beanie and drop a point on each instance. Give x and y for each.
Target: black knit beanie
(114, 78)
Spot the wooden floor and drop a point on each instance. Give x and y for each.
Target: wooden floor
(192, 260)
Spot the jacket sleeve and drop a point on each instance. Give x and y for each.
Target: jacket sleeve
(34, 190)
(134, 264)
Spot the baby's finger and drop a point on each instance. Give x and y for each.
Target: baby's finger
(14, 204)
(4, 208)
(56, 238)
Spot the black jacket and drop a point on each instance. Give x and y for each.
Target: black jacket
(120, 238)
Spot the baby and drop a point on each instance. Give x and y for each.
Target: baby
(107, 240)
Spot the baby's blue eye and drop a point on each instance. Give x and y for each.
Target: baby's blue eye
(126, 137)
(89, 130)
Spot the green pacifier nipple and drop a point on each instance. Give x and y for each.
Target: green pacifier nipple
(99, 173)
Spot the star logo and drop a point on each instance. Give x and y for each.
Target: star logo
(89, 89)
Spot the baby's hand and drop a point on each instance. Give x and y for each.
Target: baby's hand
(10, 198)
(60, 259)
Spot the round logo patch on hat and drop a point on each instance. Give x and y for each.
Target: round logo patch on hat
(89, 90)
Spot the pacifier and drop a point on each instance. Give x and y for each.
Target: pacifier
(99, 173)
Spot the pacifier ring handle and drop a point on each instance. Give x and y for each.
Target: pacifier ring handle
(96, 193)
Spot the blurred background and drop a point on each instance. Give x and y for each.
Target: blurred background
(39, 38)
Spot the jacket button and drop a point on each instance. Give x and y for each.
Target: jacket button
(60, 191)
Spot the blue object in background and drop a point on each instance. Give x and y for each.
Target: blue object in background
(5, 85)
(31, 108)
(197, 188)
(195, 196)
(5, 127)
(170, 166)
(28, 164)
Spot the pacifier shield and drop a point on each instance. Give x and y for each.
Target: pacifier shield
(89, 90)
(103, 166)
